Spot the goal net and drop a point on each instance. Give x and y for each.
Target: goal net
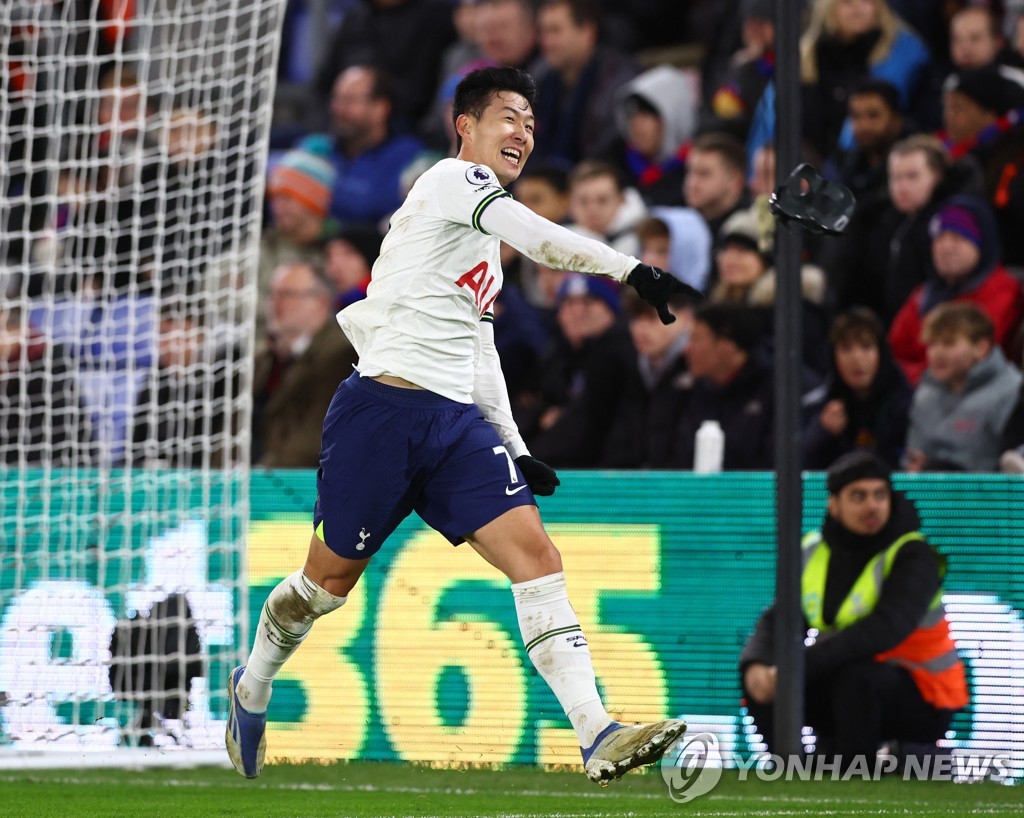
(133, 142)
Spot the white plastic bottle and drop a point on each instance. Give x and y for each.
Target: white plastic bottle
(709, 448)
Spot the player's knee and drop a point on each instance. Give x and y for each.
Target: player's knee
(299, 601)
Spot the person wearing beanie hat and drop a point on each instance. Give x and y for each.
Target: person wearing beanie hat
(298, 197)
(577, 285)
(956, 219)
(881, 665)
(587, 375)
(743, 254)
(964, 266)
(975, 99)
(859, 464)
(306, 176)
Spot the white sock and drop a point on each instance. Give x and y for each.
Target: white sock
(285, 621)
(558, 649)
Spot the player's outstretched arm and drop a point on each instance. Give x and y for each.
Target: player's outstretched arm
(555, 246)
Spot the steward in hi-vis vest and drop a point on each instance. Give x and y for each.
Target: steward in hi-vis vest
(880, 662)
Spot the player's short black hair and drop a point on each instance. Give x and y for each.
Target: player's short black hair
(476, 90)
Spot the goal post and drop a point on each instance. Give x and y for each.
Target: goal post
(133, 141)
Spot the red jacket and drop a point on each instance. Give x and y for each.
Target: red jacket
(999, 295)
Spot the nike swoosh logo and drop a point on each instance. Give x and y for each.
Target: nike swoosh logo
(510, 491)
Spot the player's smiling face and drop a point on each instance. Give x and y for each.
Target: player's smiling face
(502, 138)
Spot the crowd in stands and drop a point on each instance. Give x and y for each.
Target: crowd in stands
(912, 319)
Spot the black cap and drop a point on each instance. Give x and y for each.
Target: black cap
(994, 88)
(854, 466)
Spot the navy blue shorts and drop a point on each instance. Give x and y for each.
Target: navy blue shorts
(387, 451)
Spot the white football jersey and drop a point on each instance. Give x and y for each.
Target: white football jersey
(437, 275)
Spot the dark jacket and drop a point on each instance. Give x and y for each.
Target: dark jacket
(745, 408)
(645, 429)
(406, 39)
(884, 254)
(877, 422)
(181, 423)
(588, 385)
(578, 123)
(906, 594)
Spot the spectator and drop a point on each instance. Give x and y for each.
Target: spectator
(845, 43)
(648, 419)
(732, 105)
(746, 276)
(761, 180)
(180, 417)
(732, 384)
(975, 40)
(42, 421)
(964, 266)
(299, 194)
(879, 261)
(506, 32)
(544, 188)
(603, 207)
(867, 399)
(586, 375)
(882, 665)
(655, 114)
(404, 38)
(466, 47)
(678, 240)
(503, 33)
(369, 160)
(577, 82)
(981, 112)
(521, 338)
(715, 184)
(965, 399)
(349, 255)
(876, 124)
(297, 369)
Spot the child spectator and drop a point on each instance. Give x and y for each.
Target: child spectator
(676, 239)
(867, 399)
(603, 207)
(966, 397)
(646, 426)
(656, 114)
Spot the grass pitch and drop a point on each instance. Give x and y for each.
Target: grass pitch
(380, 790)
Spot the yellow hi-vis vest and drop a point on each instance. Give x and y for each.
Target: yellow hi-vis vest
(928, 653)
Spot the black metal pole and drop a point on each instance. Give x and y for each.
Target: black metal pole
(789, 704)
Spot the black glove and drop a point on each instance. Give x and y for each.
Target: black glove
(540, 477)
(656, 287)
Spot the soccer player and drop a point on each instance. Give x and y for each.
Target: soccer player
(425, 424)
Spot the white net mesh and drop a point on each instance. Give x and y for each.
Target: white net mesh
(133, 137)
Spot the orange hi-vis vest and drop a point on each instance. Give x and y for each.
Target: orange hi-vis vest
(928, 653)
